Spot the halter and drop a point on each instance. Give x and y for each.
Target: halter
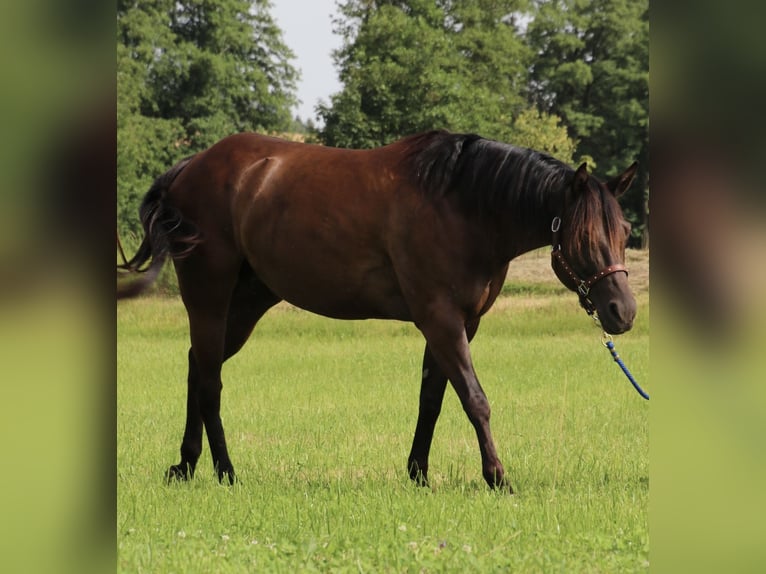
(572, 280)
(583, 286)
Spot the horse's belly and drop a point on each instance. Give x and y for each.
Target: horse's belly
(324, 251)
(337, 289)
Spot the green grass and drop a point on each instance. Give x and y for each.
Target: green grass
(319, 417)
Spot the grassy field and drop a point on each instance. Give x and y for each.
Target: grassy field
(319, 417)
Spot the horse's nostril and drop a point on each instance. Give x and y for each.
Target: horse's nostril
(622, 313)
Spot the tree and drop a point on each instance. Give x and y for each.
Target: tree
(411, 66)
(569, 77)
(189, 73)
(544, 132)
(591, 68)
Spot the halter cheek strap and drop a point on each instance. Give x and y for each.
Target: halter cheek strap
(572, 280)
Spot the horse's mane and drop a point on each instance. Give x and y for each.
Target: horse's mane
(486, 176)
(490, 177)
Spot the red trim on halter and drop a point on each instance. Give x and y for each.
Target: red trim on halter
(571, 279)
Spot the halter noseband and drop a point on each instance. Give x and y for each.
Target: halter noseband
(572, 280)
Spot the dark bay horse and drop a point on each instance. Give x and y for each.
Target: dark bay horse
(420, 230)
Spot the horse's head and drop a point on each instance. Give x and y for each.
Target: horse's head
(589, 248)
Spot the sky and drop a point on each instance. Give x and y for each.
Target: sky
(307, 29)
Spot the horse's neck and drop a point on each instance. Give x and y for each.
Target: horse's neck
(520, 234)
(519, 243)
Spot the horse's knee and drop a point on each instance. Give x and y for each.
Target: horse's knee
(478, 410)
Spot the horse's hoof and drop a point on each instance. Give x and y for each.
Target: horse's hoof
(178, 472)
(502, 485)
(497, 481)
(420, 479)
(227, 476)
(418, 474)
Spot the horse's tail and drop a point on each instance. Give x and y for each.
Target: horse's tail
(166, 232)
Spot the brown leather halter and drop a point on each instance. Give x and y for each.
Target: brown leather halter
(572, 280)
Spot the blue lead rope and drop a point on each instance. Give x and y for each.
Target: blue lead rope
(609, 344)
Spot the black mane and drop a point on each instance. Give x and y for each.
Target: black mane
(487, 176)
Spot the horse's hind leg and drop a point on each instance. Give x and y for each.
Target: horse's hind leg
(433, 386)
(249, 300)
(191, 446)
(206, 280)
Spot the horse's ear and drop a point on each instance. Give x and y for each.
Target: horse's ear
(580, 178)
(619, 184)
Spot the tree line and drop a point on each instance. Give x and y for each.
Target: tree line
(568, 77)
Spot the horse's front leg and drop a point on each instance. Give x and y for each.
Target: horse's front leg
(448, 341)
(432, 389)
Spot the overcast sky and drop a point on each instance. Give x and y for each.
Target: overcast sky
(307, 28)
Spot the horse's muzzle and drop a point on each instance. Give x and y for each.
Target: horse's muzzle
(618, 316)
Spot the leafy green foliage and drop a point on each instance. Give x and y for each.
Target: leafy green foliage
(413, 66)
(569, 77)
(591, 68)
(190, 73)
(544, 132)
